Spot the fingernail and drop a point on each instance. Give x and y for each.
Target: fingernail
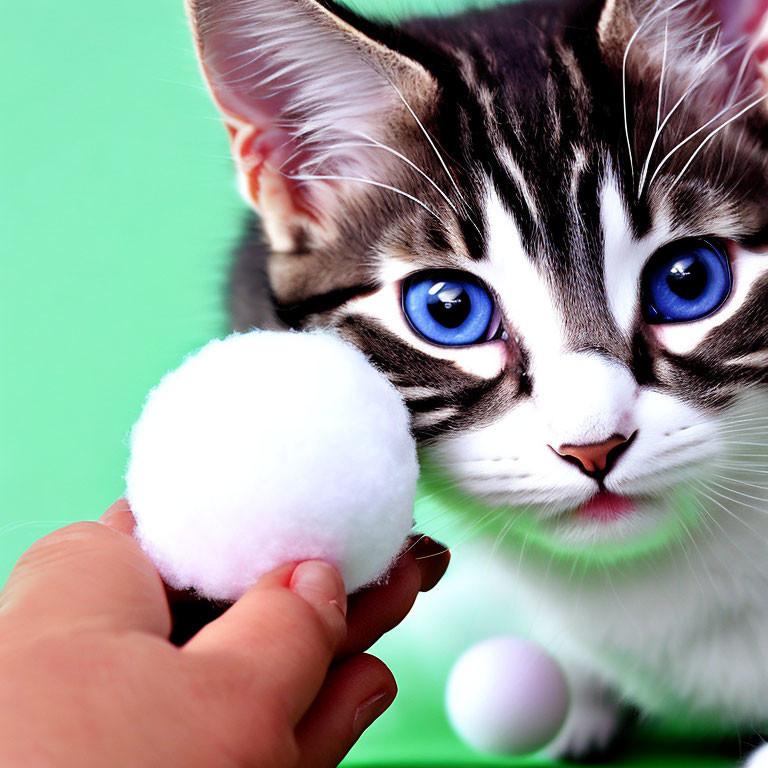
(433, 558)
(428, 547)
(370, 709)
(319, 584)
(119, 518)
(108, 516)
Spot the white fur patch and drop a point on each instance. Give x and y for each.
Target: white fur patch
(524, 295)
(584, 398)
(624, 256)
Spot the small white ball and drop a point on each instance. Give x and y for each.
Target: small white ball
(508, 696)
(759, 758)
(270, 447)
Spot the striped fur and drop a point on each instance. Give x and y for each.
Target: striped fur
(540, 120)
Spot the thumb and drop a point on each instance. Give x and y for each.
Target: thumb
(87, 575)
(285, 630)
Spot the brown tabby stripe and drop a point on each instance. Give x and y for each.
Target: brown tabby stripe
(296, 314)
(470, 400)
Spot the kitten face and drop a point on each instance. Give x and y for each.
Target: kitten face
(582, 395)
(550, 384)
(537, 169)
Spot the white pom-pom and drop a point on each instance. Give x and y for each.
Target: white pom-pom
(508, 696)
(759, 758)
(267, 448)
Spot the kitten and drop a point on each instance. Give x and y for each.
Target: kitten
(548, 225)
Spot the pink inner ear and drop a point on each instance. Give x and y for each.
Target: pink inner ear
(759, 26)
(301, 96)
(757, 18)
(272, 147)
(234, 75)
(740, 17)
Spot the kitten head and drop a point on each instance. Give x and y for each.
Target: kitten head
(546, 223)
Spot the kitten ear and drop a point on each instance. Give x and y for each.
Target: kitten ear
(303, 93)
(616, 25)
(746, 20)
(742, 17)
(738, 28)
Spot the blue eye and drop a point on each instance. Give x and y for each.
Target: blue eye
(687, 281)
(449, 308)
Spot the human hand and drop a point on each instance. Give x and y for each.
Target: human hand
(278, 680)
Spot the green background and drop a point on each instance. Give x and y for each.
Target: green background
(117, 213)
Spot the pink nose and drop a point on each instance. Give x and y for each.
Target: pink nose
(596, 459)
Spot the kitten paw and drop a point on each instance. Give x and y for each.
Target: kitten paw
(594, 725)
(759, 758)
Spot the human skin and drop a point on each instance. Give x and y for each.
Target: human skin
(278, 680)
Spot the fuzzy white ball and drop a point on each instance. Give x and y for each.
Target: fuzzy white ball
(508, 696)
(267, 448)
(759, 758)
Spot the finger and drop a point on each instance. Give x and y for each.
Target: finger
(375, 610)
(119, 517)
(88, 575)
(356, 692)
(189, 613)
(433, 559)
(282, 633)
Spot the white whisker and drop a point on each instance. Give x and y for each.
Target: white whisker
(744, 442)
(728, 511)
(740, 493)
(703, 36)
(755, 430)
(740, 466)
(749, 417)
(684, 550)
(741, 482)
(750, 456)
(681, 144)
(640, 28)
(431, 142)
(485, 520)
(748, 54)
(709, 517)
(15, 525)
(754, 423)
(714, 133)
(660, 129)
(624, 95)
(329, 177)
(663, 75)
(379, 145)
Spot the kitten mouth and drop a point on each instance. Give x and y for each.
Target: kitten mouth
(606, 507)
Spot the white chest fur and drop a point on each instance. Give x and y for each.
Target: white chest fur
(682, 634)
